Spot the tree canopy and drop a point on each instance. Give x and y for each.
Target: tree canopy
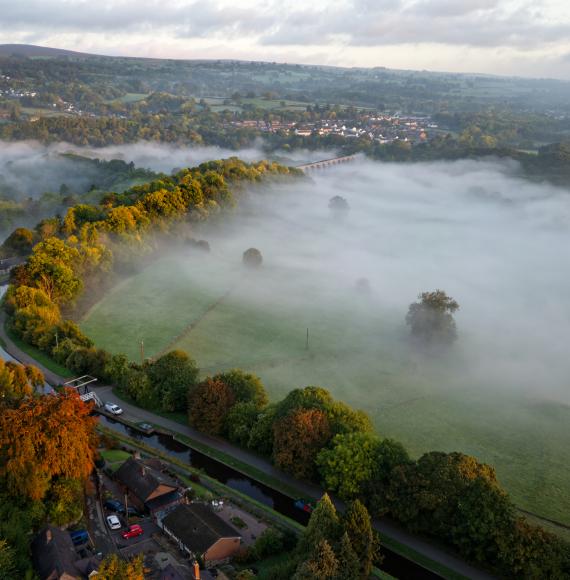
(431, 319)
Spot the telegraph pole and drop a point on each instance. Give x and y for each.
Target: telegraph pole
(142, 352)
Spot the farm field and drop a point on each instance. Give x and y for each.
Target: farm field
(225, 317)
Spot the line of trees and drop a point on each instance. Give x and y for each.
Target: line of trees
(450, 496)
(82, 249)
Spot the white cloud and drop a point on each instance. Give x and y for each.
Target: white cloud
(505, 36)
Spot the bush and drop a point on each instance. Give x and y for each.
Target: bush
(269, 543)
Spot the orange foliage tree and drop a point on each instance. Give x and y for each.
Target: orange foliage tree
(44, 438)
(208, 405)
(297, 439)
(18, 381)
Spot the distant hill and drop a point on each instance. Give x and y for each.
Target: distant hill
(31, 50)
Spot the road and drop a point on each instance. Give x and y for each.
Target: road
(135, 414)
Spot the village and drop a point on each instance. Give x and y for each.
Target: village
(383, 128)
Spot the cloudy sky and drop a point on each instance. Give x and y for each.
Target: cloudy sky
(520, 37)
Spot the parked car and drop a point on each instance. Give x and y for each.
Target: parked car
(114, 522)
(113, 409)
(133, 532)
(79, 537)
(114, 506)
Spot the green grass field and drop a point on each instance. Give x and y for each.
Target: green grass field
(225, 317)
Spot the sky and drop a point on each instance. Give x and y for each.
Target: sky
(512, 37)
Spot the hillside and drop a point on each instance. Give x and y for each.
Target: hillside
(31, 50)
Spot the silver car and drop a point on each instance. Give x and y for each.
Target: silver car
(113, 409)
(113, 522)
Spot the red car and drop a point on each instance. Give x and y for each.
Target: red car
(134, 531)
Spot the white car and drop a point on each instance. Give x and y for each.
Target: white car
(113, 409)
(113, 522)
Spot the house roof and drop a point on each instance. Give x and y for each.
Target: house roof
(197, 526)
(141, 480)
(53, 551)
(163, 500)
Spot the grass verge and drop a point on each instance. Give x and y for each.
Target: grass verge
(38, 355)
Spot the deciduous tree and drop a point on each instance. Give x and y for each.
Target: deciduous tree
(173, 375)
(348, 463)
(431, 319)
(45, 437)
(297, 439)
(208, 405)
(246, 387)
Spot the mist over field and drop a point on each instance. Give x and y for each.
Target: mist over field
(28, 168)
(498, 244)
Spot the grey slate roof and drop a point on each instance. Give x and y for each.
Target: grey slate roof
(53, 551)
(141, 479)
(197, 527)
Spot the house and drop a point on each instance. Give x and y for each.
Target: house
(147, 488)
(55, 558)
(201, 533)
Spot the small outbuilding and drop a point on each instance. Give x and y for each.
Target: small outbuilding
(201, 533)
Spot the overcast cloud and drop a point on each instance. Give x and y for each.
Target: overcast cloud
(500, 36)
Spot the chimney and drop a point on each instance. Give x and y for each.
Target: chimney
(196, 570)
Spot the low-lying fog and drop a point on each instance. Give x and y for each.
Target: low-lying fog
(498, 244)
(28, 168)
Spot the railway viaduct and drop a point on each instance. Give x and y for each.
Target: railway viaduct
(307, 167)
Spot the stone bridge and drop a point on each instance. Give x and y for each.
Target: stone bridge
(326, 163)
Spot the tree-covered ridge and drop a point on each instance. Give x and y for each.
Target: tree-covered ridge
(68, 254)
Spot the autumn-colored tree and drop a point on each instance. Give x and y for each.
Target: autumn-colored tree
(18, 381)
(65, 501)
(341, 417)
(113, 567)
(43, 438)
(208, 405)
(52, 267)
(246, 387)
(19, 242)
(357, 524)
(298, 438)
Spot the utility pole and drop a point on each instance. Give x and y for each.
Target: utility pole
(142, 352)
(56, 339)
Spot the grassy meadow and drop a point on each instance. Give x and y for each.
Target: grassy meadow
(227, 317)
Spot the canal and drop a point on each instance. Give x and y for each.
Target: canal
(393, 563)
